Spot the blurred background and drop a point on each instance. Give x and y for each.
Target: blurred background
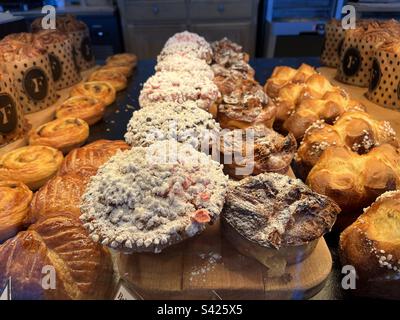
(265, 28)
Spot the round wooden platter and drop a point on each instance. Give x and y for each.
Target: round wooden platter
(209, 267)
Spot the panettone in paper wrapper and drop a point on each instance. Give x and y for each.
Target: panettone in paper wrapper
(384, 85)
(29, 67)
(13, 125)
(61, 54)
(358, 49)
(79, 34)
(334, 37)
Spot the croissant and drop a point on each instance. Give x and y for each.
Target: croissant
(354, 181)
(59, 243)
(355, 129)
(371, 246)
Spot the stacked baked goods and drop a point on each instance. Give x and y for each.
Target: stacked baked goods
(333, 42)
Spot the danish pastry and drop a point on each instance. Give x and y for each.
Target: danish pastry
(32, 165)
(276, 219)
(15, 198)
(61, 193)
(100, 90)
(87, 159)
(371, 246)
(122, 59)
(355, 129)
(116, 79)
(182, 194)
(83, 269)
(63, 134)
(256, 150)
(125, 70)
(354, 181)
(87, 108)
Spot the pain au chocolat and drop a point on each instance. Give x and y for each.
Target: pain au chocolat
(276, 219)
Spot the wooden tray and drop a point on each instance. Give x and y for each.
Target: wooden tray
(208, 267)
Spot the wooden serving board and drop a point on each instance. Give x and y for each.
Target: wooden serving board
(358, 93)
(209, 267)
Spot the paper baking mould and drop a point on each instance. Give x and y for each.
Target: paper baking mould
(34, 83)
(82, 53)
(65, 71)
(384, 80)
(334, 37)
(13, 125)
(355, 61)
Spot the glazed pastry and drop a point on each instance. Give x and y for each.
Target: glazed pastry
(183, 122)
(228, 53)
(256, 150)
(244, 104)
(32, 165)
(371, 246)
(116, 79)
(100, 90)
(63, 134)
(181, 195)
(122, 59)
(238, 70)
(276, 219)
(331, 106)
(195, 67)
(15, 198)
(82, 268)
(125, 70)
(180, 87)
(355, 129)
(354, 181)
(86, 160)
(61, 193)
(87, 108)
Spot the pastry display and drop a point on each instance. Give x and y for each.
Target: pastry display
(358, 50)
(30, 69)
(63, 134)
(32, 165)
(371, 246)
(256, 150)
(187, 44)
(83, 269)
(147, 199)
(276, 219)
(14, 207)
(331, 106)
(100, 90)
(87, 108)
(243, 104)
(354, 181)
(115, 78)
(87, 159)
(60, 193)
(355, 129)
(194, 66)
(60, 49)
(184, 122)
(13, 125)
(180, 87)
(227, 53)
(125, 70)
(122, 59)
(383, 88)
(79, 33)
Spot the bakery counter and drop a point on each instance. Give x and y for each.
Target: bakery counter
(115, 122)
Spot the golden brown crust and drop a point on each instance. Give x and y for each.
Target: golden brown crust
(122, 69)
(32, 165)
(82, 268)
(89, 109)
(372, 246)
(15, 198)
(355, 181)
(61, 193)
(89, 158)
(122, 59)
(116, 79)
(101, 90)
(63, 134)
(355, 129)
